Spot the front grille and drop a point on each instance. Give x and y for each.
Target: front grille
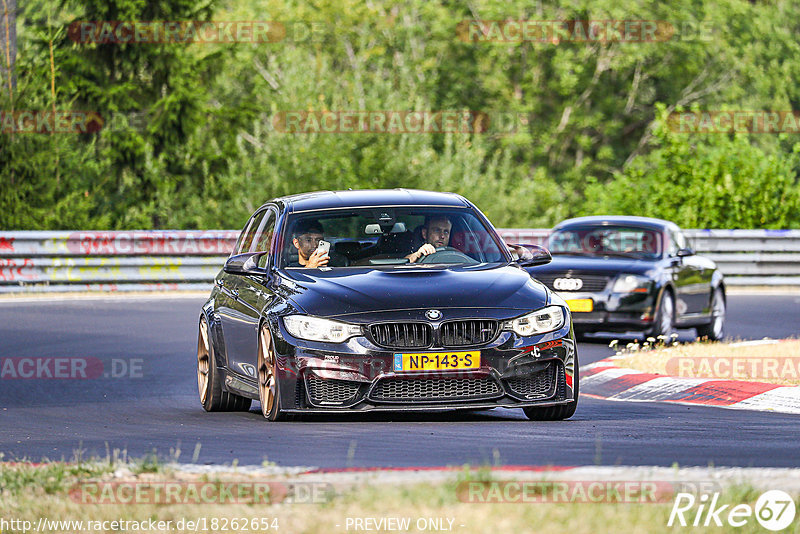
(470, 332)
(401, 335)
(592, 283)
(330, 391)
(534, 385)
(433, 389)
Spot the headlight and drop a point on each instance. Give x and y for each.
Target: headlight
(316, 329)
(631, 283)
(538, 322)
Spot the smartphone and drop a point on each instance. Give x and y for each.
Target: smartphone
(324, 247)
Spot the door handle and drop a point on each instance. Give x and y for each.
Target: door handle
(218, 283)
(235, 293)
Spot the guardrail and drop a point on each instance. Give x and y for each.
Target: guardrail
(172, 259)
(752, 257)
(112, 261)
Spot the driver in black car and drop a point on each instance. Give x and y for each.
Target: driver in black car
(436, 233)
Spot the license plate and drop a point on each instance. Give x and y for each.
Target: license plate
(437, 361)
(580, 305)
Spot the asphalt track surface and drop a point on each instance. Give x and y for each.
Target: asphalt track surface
(153, 407)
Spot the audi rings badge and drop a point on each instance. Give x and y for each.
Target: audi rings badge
(567, 284)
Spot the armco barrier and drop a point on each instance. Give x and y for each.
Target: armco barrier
(746, 257)
(112, 261)
(172, 259)
(752, 257)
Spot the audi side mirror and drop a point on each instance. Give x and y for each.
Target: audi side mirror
(245, 264)
(530, 255)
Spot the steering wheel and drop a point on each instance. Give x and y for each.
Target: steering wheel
(446, 255)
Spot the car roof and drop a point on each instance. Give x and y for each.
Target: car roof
(601, 220)
(356, 198)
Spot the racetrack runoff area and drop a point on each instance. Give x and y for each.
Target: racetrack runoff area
(148, 497)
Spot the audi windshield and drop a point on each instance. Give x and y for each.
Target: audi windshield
(643, 243)
(385, 237)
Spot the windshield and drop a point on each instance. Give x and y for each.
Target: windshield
(388, 237)
(606, 241)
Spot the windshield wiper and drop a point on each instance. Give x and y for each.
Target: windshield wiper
(615, 254)
(389, 261)
(574, 253)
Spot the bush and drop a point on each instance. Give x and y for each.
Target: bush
(705, 181)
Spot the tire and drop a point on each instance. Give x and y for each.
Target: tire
(209, 378)
(556, 413)
(581, 336)
(268, 384)
(715, 330)
(665, 317)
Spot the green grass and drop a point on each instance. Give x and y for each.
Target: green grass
(30, 492)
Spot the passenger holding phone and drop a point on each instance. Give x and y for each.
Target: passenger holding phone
(312, 250)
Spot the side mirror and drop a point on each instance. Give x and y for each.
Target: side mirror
(530, 255)
(685, 252)
(245, 264)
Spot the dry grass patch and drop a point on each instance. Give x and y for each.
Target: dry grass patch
(32, 492)
(770, 361)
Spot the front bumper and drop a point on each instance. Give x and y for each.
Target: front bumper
(613, 312)
(359, 376)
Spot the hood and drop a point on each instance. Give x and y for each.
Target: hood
(352, 291)
(601, 265)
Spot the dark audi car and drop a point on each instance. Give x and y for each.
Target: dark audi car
(383, 300)
(622, 274)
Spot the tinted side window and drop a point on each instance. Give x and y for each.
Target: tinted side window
(246, 239)
(263, 238)
(677, 242)
(682, 243)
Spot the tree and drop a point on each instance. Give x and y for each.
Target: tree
(8, 45)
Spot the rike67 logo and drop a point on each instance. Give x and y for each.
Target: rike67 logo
(774, 510)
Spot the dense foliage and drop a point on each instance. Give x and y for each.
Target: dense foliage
(189, 138)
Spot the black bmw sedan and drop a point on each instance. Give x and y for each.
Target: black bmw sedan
(622, 274)
(383, 300)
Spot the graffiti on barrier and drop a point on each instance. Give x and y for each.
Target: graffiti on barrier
(141, 243)
(12, 269)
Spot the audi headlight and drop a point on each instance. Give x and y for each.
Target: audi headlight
(631, 283)
(317, 329)
(541, 321)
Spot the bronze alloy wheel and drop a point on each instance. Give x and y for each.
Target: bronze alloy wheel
(268, 392)
(202, 361)
(209, 378)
